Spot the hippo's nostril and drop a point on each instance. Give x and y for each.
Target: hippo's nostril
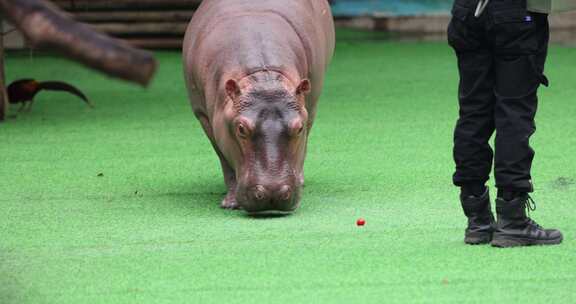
(259, 193)
(285, 193)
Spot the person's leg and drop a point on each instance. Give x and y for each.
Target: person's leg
(472, 152)
(521, 42)
(519, 67)
(475, 126)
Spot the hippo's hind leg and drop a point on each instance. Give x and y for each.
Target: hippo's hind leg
(229, 202)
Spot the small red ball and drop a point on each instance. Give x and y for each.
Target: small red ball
(361, 222)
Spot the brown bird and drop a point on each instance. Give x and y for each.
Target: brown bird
(23, 91)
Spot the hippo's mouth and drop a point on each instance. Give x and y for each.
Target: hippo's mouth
(272, 194)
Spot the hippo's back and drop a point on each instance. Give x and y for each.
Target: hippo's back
(309, 22)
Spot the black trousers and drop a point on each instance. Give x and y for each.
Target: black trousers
(501, 57)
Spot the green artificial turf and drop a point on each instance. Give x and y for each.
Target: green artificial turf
(150, 229)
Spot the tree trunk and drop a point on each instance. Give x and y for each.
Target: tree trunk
(3, 94)
(45, 26)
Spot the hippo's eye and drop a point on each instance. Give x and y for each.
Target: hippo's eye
(297, 129)
(242, 131)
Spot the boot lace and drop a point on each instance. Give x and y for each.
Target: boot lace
(530, 203)
(531, 206)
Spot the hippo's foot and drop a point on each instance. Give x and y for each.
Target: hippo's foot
(229, 202)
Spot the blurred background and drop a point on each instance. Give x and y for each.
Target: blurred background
(160, 24)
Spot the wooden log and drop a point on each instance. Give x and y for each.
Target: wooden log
(119, 29)
(73, 5)
(156, 43)
(136, 16)
(45, 26)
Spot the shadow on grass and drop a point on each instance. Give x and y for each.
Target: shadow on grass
(208, 201)
(266, 216)
(204, 195)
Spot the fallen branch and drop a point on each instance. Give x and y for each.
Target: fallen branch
(45, 26)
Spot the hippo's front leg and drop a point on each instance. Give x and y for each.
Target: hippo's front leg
(229, 202)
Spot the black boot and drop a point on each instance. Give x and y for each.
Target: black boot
(480, 218)
(514, 228)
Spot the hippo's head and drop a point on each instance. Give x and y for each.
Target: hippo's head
(266, 128)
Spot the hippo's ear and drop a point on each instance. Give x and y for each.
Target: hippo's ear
(233, 89)
(305, 87)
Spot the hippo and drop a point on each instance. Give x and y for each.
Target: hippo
(254, 71)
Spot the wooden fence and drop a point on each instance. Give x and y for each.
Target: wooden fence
(143, 23)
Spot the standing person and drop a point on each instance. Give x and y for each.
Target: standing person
(501, 49)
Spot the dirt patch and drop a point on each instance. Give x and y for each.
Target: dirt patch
(563, 183)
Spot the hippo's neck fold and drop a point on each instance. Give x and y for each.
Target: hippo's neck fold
(266, 78)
